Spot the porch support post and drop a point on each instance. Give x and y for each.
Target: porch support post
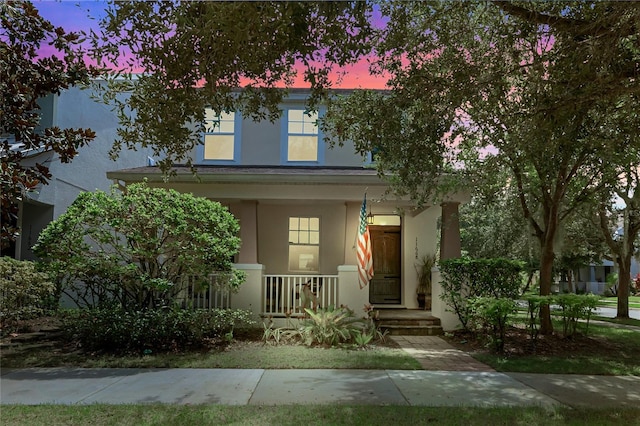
(450, 232)
(449, 249)
(247, 215)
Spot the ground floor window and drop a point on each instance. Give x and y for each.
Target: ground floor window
(304, 244)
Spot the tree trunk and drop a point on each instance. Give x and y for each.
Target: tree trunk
(624, 284)
(546, 279)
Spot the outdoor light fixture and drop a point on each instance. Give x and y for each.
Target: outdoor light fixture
(370, 218)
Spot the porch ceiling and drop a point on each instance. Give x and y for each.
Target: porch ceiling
(269, 183)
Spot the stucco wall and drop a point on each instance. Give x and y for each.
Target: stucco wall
(273, 243)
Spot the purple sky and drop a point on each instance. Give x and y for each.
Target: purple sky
(83, 16)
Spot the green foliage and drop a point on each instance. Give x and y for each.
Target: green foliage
(423, 269)
(115, 330)
(492, 316)
(534, 303)
(537, 92)
(328, 327)
(27, 75)
(575, 307)
(24, 292)
(136, 248)
(194, 55)
(464, 278)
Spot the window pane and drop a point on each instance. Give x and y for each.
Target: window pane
(314, 237)
(296, 114)
(304, 238)
(303, 148)
(293, 223)
(218, 147)
(295, 127)
(314, 223)
(303, 258)
(293, 237)
(210, 114)
(304, 223)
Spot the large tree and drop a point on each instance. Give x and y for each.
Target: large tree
(487, 86)
(194, 55)
(26, 76)
(618, 208)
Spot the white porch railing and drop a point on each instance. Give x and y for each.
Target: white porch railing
(288, 295)
(213, 296)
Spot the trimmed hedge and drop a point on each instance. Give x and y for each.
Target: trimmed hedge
(466, 278)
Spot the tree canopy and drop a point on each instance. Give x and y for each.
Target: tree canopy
(27, 76)
(475, 87)
(480, 87)
(195, 55)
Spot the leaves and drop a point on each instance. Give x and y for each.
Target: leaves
(137, 247)
(195, 55)
(26, 77)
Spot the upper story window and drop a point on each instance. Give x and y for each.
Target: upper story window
(221, 138)
(302, 141)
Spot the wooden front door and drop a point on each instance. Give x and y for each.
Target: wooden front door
(385, 285)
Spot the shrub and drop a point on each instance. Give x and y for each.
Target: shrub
(575, 307)
(466, 278)
(493, 317)
(534, 303)
(25, 292)
(135, 248)
(329, 327)
(113, 329)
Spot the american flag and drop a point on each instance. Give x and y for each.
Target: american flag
(365, 261)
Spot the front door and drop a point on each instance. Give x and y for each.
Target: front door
(384, 287)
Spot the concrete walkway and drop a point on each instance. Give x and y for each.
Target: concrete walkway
(450, 378)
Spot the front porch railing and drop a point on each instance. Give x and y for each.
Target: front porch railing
(213, 296)
(288, 295)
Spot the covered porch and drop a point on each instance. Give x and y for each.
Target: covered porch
(265, 199)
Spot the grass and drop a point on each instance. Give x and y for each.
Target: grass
(102, 415)
(616, 354)
(238, 355)
(610, 302)
(623, 321)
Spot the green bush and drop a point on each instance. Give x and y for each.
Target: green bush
(113, 329)
(136, 247)
(492, 316)
(328, 327)
(534, 303)
(574, 307)
(25, 292)
(466, 278)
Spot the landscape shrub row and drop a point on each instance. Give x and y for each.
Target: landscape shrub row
(113, 329)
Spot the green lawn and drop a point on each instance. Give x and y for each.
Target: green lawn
(102, 415)
(612, 302)
(238, 355)
(611, 351)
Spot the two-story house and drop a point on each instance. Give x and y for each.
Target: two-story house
(72, 108)
(298, 202)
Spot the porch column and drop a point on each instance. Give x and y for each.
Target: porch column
(450, 232)
(247, 215)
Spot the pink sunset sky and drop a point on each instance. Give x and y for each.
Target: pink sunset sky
(84, 15)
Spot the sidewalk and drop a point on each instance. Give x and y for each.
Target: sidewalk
(477, 386)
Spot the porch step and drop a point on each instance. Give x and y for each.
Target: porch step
(409, 322)
(409, 330)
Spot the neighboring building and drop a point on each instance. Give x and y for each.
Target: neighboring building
(72, 108)
(298, 203)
